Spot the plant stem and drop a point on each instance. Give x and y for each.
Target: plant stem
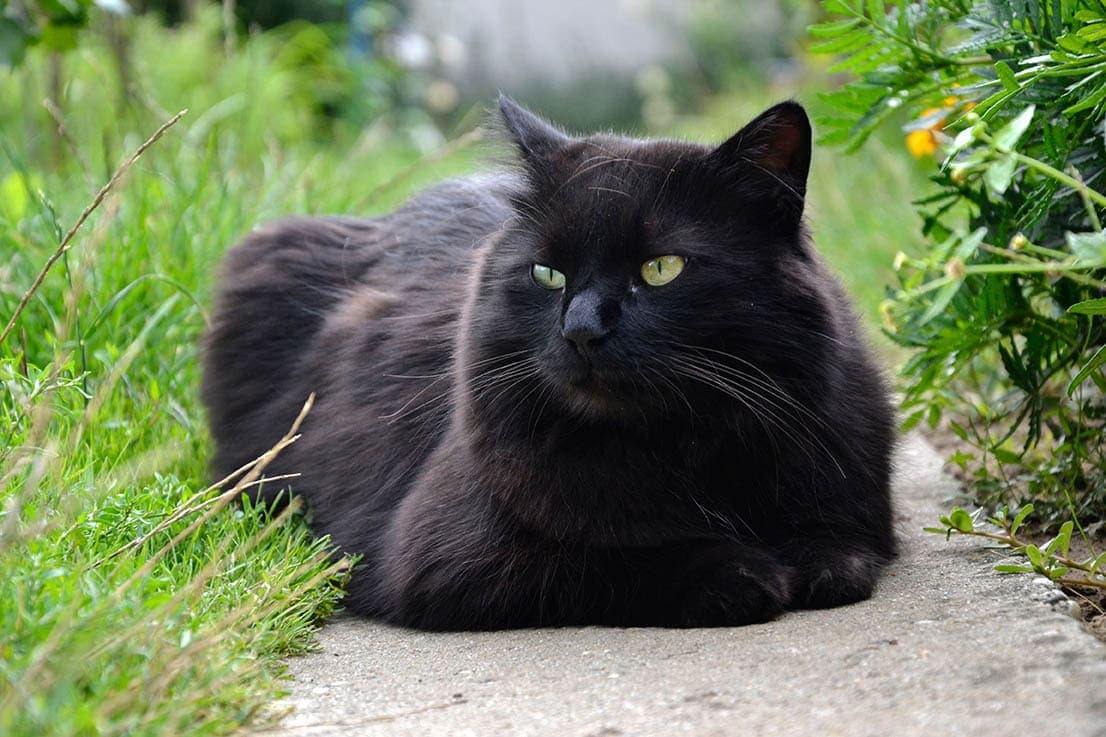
(1084, 194)
(1052, 172)
(1015, 543)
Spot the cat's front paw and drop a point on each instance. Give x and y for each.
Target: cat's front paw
(836, 579)
(733, 594)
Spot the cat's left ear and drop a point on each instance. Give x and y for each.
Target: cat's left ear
(777, 144)
(534, 137)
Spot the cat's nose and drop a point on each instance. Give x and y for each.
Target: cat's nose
(586, 321)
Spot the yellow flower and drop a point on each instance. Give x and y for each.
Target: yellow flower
(921, 143)
(925, 141)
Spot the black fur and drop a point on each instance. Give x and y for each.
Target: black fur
(713, 452)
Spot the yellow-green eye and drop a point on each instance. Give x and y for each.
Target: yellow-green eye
(662, 269)
(548, 277)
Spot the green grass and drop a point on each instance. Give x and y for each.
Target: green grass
(102, 438)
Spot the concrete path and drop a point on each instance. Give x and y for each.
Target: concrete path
(946, 647)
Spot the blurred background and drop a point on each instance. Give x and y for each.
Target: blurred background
(421, 66)
(317, 96)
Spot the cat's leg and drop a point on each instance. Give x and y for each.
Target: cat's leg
(458, 562)
(509, 579)
(833, 571)
(462, 562)
(715, 584)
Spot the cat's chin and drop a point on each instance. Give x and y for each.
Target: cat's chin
(595, 405)
(594, 398)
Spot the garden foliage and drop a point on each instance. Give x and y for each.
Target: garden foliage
(1004, 310)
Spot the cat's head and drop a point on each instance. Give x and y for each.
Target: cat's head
(647, 277)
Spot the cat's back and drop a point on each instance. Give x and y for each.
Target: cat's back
(325, 304)
(436, 231)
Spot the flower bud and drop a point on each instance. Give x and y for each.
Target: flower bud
(955, 268)
(887, 314)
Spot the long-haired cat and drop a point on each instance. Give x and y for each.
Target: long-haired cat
(615, 385)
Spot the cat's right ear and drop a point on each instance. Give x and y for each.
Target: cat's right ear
(534, 137)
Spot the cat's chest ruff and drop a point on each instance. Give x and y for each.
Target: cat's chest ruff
(582, 465)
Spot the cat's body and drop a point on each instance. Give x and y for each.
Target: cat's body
(503, 452)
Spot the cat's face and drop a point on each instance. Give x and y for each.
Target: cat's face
(644, 278)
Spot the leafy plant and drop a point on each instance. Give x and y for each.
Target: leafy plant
(1051, 559)
(1004, 309)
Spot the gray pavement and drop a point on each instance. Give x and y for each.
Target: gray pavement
(946, 647)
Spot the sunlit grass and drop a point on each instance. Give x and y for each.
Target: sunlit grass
(102, 438)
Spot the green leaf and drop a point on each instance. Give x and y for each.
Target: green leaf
(941, 300)
(838, 6)
(1088, 102)
(1020, 517)
(1092, 32)
(1007, 136)
(1063, 539)
(995, 102)
(1071, 42)
(961, 520)
(1035, 556)
(961, 459)
(835, 28)
(66, 12)
(911, 421)
(877, 12)
(970, 244)
(1090, 307)
(1087, 246)
(1094, 363)
(1006, 76)
(1008, 568)
(1005, 456)
(861, 61)
(843, 44)
(999, 173)
(963, 139)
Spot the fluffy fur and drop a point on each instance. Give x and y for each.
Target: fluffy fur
(712, 451)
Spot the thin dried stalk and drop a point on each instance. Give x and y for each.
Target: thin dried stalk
(66, 242)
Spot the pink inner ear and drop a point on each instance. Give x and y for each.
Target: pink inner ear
(781, 153)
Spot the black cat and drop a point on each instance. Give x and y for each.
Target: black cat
(617, 386)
